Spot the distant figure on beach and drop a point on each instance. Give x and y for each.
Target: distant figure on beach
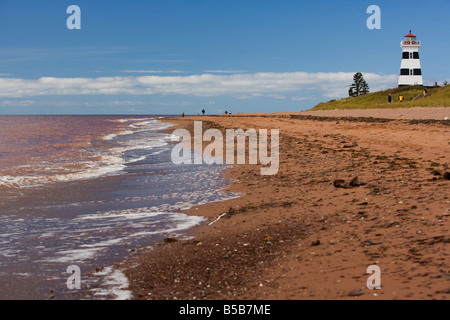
(203, 111)
(425, 92)
(226, 112)
(390, 98)
(182, 114)
(401, 98)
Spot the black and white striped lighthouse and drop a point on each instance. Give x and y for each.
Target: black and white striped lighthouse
(410, 72)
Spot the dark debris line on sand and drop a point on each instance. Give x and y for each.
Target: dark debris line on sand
(369, 119)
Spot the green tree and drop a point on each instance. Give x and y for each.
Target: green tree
(359, 86)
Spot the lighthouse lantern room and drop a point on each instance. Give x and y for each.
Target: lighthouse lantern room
(410, 72)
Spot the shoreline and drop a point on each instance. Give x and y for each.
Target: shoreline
(296, 235)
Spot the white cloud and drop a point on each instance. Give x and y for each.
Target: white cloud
(152, 71)
(301, 98)
(329, 85)
(33, 103)
(17, 103)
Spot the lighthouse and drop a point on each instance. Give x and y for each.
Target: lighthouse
(410, 70)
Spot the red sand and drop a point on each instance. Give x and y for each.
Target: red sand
(296, 235)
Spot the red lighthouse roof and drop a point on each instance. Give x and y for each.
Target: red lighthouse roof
(410, 35)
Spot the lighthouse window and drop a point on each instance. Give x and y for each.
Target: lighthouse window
(417, 72)
(415, 55)
(404, 72)
(405, 55)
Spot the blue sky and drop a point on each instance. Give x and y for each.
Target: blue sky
(168, 57)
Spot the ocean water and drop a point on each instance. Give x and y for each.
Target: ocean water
(84, 191)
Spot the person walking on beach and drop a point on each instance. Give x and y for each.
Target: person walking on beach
(390, 98)
(203, 111)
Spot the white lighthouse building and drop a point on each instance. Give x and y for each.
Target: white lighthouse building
(410, 70)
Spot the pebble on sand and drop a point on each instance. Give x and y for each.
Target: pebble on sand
(355, 293)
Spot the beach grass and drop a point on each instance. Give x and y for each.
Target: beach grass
(413, 97)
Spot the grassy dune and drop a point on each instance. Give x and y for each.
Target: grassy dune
(437, 97)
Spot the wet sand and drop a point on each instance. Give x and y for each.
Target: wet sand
(307, 232)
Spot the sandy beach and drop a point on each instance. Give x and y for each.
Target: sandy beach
(308, 232)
